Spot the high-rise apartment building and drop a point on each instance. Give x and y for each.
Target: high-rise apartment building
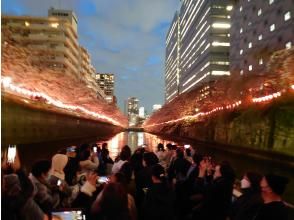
(54, 38)
(87, 72)
(106, 82)
(203, 43)
(258, 29)
(172, 69)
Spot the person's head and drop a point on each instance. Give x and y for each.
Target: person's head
(273, 185)
(84, 155)
(125, 153)
(149, 159)
(169, 146)
(158, 174)
(251, 180)
(224, 170)
(114, 201)
(160, 147)
(188, 152)
(41, 168)
(59, 161)
(180, 153)
(118, 178)
(197, 158)
(104, 146)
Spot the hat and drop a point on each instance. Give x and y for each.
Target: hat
(277, 183)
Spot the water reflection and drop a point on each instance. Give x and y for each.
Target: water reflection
(134, 140)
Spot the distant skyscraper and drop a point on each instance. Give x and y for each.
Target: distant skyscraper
(258, 29)
(142, 112)
(106, 83)
(132, 108)
(202, 46)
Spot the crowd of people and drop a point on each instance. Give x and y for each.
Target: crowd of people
(171, 183)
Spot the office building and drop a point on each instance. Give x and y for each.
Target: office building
(203, 44)
(132, 110)
(106, 82)
(172, 69)
(259, 28)
(53, 38)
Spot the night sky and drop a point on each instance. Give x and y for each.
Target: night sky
(124, 37)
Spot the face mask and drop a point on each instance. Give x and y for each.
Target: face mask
(245, 184)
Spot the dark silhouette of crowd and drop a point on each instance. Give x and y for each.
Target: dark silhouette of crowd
(173, 183)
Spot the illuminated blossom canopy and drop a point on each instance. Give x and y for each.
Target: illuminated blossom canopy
(65, 91)
(229, 93)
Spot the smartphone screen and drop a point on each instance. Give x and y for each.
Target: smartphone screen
(95, 149)
(187, 146)
(59, 182)
(103, 179)
(11, 154)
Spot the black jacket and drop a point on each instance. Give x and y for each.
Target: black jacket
(159, 203)
(247, 205)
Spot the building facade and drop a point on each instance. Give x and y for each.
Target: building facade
(258, 29)
(172, 69)
(87, 72)
(132, 110)
(54, 38)
(203, 44)
(106, 82)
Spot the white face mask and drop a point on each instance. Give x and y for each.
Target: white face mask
(245, 184)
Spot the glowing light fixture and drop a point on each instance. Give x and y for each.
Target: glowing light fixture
(221, 25)
(229, 8)
(222, 44)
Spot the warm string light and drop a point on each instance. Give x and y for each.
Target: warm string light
(200, 114)
(222, 108)
(7, 84)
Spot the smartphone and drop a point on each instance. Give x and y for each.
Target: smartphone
(70, 214)
(95, 149)
(103, 179)
(187, 146)
(71, 149)
(59, 182)
(11, 153)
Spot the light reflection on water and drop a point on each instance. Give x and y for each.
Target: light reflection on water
(134, 140)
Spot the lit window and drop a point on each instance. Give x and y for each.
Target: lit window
(260, 61)
(271, 2)
(289, 45)
(54, 25)
(249, 45)
(287, 16)
(250, 67)
(272, 27)
(223, 44)
(260, 37)
(241, 52)
(221, 25)
(229, 8)
(241, 30)
(259, 12)
(241, 8)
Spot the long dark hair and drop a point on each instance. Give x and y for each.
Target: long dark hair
(114, 202)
